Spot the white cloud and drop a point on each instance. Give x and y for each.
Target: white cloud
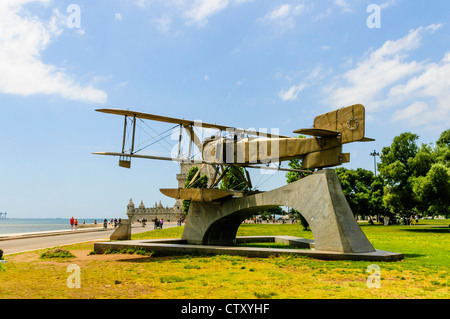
(308, 79)
(292, 93)
(164, 23)
(388, 4)
(23, 38)
(281, 12)
(383, 68)
(411, 111)
(344, 5)
(285, 15)
(193, 12)
(201, 10)
(142, 3)
(322, 15)
(118, 17)
(121, 85)
(416, 91)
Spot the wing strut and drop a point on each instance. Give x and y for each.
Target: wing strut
(134, 134)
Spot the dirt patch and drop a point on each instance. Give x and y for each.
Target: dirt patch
(83, 255)
(24, 257)
(80, 256)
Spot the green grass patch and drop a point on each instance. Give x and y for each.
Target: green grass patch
(423, 274)
(174, 232)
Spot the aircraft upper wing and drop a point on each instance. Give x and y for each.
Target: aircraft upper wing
(184, 122)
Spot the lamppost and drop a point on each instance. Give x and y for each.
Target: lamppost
(375, 154)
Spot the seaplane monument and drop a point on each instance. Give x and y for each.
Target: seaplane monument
(215, 214)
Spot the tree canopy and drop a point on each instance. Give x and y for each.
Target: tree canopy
(234, 179)
(363, 191)
(417, 179)
(200, 182)
(412, 180)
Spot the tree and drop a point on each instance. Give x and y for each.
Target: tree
(200, 182)
(417, 179)
(433, 190)
(376, 203)
(363, 191)
(234, 179)
(443, 148)
(444, 139)
(421, 163)
(395, 170)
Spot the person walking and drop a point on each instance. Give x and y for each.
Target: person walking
(156, 223)
(161, 222)
(72, 221)
(76, 224)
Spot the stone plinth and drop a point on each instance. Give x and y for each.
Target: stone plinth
(123, 232)
(318, 197)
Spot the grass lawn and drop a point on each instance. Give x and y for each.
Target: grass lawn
(424, 273)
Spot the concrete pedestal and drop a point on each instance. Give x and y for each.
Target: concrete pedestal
(318, 197)
(123, 232)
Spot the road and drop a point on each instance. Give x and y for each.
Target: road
(13, 246)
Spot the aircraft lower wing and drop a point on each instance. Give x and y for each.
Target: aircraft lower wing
(189, 161)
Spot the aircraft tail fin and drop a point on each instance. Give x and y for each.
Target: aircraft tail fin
(349, 121)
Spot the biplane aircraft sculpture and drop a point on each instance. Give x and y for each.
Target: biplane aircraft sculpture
(215, 214)
(251, 148)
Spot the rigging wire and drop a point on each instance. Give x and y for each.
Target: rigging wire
(162, 138)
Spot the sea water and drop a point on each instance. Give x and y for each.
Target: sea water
(31, 225)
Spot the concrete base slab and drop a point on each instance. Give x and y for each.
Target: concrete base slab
(180, 247)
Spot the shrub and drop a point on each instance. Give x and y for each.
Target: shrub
(57, 253)
(171, 279)
(129, 250)
(265, 295)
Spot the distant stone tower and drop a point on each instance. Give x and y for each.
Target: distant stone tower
(208, 170)
(130, 209)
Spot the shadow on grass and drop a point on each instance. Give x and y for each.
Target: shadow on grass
(138, 260)
(166, 256)
(442, 230)
(413, 255)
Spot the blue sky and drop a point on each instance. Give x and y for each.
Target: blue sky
(243, 63)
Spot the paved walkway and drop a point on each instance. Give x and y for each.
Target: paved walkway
(16, 243)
